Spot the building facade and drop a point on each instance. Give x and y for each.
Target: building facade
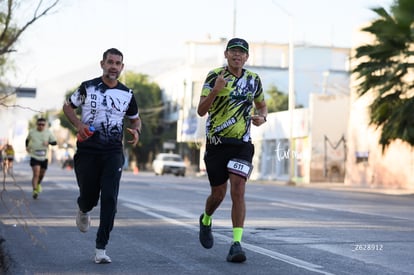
(321, 88)
(368, 165)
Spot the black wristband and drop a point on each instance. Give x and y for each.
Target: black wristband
(264, 117)
(138, 131)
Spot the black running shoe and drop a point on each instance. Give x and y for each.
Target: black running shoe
(205, 236)
(236, 253)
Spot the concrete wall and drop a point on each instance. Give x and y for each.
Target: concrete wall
(328, 136)
(367, 165)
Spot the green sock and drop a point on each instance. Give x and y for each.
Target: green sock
(237, 234)
(206, 219)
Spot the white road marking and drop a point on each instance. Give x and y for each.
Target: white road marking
(257, 249)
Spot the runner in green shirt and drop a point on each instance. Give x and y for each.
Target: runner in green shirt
(228, 96)
(37, 145)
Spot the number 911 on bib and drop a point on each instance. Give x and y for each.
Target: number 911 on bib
(240, 167)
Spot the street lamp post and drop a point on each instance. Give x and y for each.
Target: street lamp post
(291, 93)
(234, 17)
(291, 99)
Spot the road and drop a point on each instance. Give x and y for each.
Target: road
(288, 230)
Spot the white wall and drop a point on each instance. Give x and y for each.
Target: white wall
(329, 122)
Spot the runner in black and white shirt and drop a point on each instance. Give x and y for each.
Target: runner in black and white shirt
(104, 108)
(99, 158)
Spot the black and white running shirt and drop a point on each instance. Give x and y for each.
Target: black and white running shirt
(104, 108)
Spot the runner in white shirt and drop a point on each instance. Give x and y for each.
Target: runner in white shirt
(99, 158)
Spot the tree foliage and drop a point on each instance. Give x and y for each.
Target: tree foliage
(11, 31)
(386, 69)
(149, 98)
(277, 101)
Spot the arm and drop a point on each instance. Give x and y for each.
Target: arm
(52, 139)
(135, 130)
(206, 101)
(260, 118)
(27, 142)
(69, 112)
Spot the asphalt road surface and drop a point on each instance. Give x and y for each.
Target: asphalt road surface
(288, 230)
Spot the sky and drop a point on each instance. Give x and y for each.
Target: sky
(78, 31)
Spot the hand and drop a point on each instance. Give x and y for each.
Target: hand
(135, 135)
(220, 82)
(258, 120)
(83, 131)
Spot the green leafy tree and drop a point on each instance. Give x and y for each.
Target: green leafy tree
(277, 101)
(149, 98)
(11, 31)
(385, 69)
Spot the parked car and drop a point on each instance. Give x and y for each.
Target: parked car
(167, 163)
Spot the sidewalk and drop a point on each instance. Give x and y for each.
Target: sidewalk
(338, 186)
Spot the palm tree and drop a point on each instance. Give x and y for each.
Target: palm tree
(386, 69)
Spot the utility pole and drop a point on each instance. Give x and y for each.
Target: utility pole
(291, 93)
(234, 17)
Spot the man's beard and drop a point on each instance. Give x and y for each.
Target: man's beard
(112, 76)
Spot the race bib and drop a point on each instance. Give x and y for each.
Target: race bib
(40, 153)
(240, 167)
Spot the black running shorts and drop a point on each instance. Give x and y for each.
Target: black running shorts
(217, 157)
(42, 163)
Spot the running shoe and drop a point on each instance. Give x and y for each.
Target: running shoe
(83, 221)
(35, 194)
(205, 235)
(101, 257)
(236, 253)
(39, 188)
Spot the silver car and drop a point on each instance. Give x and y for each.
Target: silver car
(167, 163)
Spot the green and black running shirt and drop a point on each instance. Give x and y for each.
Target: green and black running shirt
(229, 117)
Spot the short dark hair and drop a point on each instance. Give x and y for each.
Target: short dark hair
(41, 119)
(112, 51)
